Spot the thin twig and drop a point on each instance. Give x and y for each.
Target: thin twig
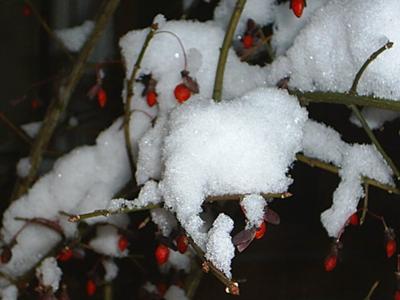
(333, 169)
(108, 291)
(129, 96)
(231, 286)
(219, 75)
(360, 117)
(17, 130)
(49, 31)
(193, 281)
(371, 291)
(238, 197)
(60, 102)
(346, 99)
(105, 212)
(365, 207)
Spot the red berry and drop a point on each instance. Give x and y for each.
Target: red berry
(162, 288)
(65, 254)
(390, 248)
(247, 41)
(297, 6)
(354, 220)
(182, 93)
(330, 263)
(151, 98)
(182, 243)
(26, 10)
(161, 254)
(122, 243)
(90, 287)
(397, 295)
(101, 97)
(35, 104)
(261, 231)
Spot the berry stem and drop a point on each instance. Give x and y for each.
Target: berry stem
(180, 45)
(371, 291)
(365, 207)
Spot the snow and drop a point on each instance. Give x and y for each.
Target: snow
(23, 167)
(178, 261)
(253, 207)
(164, 219)
(233, 147)
(106, 241)
(354, 160)
(175, 293)
(31, 129)
(220, 249)
(49, 274)
(111, 269)
(329, 59)
(9, 292)
(375, 117)
(73, 38)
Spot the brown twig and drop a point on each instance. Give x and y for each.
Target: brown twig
(226, 44)
(238, 197)
(129, 96)
(365, 207)
(231, 286)
(60, 102)
(49, 31)
(333, 169)
(17, 130)
(371, 291)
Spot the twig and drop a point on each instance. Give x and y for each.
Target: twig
(219, 75)
(108, 291)
(231, 286)
(129, 96)
(60, 102)
(346, 99)
(365, 207)
(17, 130)
(360, 117)
(371, 291)
(49, 31)
(237, 197)
(333, 169)
(105, 212)
(193, 281)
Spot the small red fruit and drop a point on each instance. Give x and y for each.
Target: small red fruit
(122, 243)
(354, 220)
(397, 295)
(182, 93)
(390, 247)
(151, 98)
(35, 104)
(182, 243)
(247, 41)
(261, 231)
(297, 6)
(101, 97)
(90, 287)
(330, 262)
(161, 254)
(65, 254)
(26, 10)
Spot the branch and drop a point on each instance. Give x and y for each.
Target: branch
(360, 117)
(60, 102)
(238, 197)
(219, 75)
(333, 169)
(17, 130)
(346, 99)
(371, 291)
(231, 286)
(49, 31)
(129, 96)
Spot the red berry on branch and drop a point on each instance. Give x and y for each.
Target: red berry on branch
(161, 254)
(182, 243)
(182, 93)
(35, 104)
(247, 41)
(151, 98)
(390, 247)
(354, 220)
(297, 6)
(330, 262)
(101, 97)
(122, 243)
(26, 10)
(65, 254)
(261, 231)
(90, 287)
(397, 295)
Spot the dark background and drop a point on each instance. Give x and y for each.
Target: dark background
(286, 264)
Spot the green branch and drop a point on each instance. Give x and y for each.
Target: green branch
(219, 75)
